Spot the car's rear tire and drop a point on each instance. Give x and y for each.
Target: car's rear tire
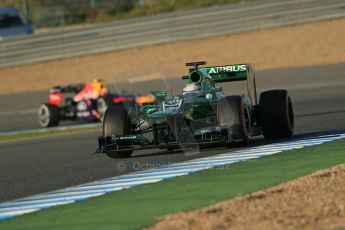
(117, 122)
(48, 115)
(232, 117)
(276, 114)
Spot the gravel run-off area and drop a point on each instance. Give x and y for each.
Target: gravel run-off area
(316, 201)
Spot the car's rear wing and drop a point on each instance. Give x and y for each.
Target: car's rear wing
(237, 72)
(228, 73)
(67, 89)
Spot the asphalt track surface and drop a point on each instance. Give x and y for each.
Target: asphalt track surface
(43, 164)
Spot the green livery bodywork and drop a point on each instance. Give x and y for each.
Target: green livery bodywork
(206, 77)
(188, 117)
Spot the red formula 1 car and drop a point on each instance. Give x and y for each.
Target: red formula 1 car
(86, 102)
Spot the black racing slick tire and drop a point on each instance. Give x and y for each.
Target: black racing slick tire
(117, 122)
(48, 115)
(276, 113)
(233, 117)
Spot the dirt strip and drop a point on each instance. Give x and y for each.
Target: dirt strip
(294, 46)
(316, 201)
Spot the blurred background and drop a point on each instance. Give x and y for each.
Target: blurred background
(52, 13)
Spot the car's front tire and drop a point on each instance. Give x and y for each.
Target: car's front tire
(117, 122)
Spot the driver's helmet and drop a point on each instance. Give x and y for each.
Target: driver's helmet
(99, 89)
(192, 90)
(99, 81)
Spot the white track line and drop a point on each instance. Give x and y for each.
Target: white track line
(99, 188)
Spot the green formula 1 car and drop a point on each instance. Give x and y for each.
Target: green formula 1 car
(202, 115)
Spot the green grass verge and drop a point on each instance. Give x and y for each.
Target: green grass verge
(140, 206)
(14, 137)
